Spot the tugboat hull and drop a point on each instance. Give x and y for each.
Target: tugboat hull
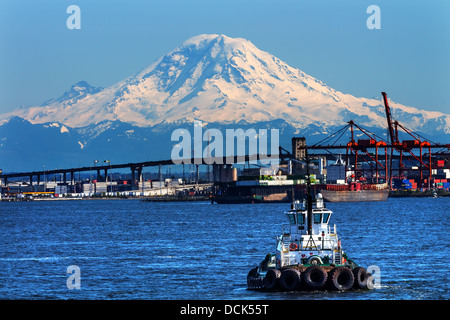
(311, 278)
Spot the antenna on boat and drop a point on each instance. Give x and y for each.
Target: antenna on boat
(308, 193)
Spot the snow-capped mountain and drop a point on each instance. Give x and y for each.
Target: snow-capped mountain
(220, 81)
(215, 78)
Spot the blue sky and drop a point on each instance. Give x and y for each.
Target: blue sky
(409, 57)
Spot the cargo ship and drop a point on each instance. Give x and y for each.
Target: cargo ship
(355, 192)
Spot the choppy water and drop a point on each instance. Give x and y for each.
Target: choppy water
(127, 249)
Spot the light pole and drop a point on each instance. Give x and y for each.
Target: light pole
(95, 168)
(106, 176)
(45, 179)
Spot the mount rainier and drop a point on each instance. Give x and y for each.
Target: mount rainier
(223, 82)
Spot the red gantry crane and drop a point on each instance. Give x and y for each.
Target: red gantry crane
(378, 165)
(406, 146)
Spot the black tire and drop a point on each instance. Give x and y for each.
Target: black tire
(360, 275)
(271, 280)
(315, 277)
(290, 279)
(251, 283)
(341, 279)
(314, 261)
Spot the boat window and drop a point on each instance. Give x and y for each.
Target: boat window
(326, 216)
(301, 218)
(291, 218)
(317, 218)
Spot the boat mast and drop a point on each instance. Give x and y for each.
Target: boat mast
(308, 195)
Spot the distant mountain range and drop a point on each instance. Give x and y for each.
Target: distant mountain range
(223, 82)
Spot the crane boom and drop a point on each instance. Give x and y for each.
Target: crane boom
(389, 118)
(391, 133)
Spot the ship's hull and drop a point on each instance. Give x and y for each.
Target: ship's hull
(355, 196)
(248, 199)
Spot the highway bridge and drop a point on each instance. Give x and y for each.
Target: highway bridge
(134, 167)
(137, 167)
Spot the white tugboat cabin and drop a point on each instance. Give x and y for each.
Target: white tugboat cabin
(309, 240)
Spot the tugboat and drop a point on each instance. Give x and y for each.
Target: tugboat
(309, 255)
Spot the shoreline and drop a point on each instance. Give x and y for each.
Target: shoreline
(143, 199)
(392, 194)
(417, 194)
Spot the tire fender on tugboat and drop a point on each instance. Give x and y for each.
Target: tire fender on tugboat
(290, 279)
(271, 280)
(314, 277)
(341, 279)
(251, 281)
(361, 276)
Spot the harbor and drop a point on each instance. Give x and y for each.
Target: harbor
(225, 159)
(370, 169)
(131, 249)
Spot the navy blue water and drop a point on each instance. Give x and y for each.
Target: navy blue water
(128, 249)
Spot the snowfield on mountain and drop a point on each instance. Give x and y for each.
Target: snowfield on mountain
(215, 78)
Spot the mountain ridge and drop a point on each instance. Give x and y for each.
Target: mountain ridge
(216, 78)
